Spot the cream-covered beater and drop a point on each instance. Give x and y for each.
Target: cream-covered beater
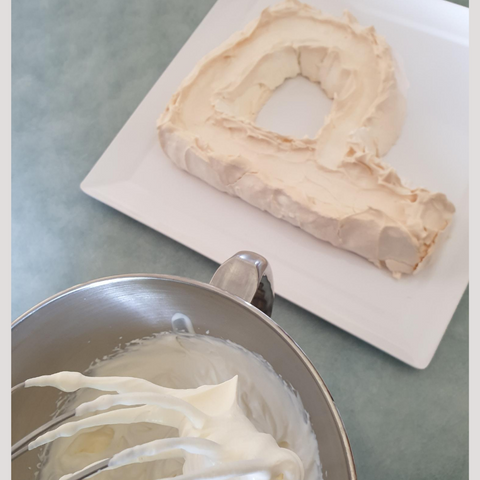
(216, 439)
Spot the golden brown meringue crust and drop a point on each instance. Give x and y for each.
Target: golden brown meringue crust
(335, 185)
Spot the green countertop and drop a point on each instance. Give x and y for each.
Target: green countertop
(79, 69)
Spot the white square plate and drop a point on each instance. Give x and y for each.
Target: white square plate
(406, 318)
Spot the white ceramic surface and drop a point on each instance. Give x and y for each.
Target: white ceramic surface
(405, 318)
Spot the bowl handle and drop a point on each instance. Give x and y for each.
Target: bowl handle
(248, 276)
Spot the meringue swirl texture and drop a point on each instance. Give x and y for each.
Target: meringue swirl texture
(334, 186)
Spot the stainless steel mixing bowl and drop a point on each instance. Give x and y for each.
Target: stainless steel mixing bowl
(71, 329)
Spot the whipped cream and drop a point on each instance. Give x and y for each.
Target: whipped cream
(221, 412)
(335, 185)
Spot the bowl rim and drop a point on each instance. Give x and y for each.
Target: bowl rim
(262, 316)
